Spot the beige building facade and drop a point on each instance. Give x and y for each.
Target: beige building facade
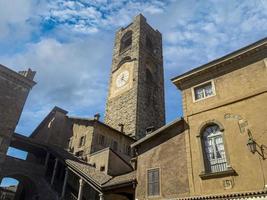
(225, 107)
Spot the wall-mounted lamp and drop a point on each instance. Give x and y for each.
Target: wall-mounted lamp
(252, 145)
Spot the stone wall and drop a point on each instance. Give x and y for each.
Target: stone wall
(82, 129)
(14, 89)
(92, 130)
(55, 129)
(109, 162)
(142, 105)
(111, 136)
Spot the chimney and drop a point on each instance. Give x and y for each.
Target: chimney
(97, 116)
(150, 129)
(121, 127)
(28, 74)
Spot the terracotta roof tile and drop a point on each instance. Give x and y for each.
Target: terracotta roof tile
(125, 178)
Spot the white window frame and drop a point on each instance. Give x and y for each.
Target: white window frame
(214, 164)
(199, 85)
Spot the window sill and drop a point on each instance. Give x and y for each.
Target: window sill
(209, 175)
(197, 100)
(124, 50)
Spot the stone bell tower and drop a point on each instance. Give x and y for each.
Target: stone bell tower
(136, 87)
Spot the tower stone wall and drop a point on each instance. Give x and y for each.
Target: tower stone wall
(138, 104)
(14, 89)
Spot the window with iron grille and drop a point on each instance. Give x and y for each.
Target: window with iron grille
(214, 151)
(153, 184)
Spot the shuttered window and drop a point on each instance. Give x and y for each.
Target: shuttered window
(153, 182)
(101, 140)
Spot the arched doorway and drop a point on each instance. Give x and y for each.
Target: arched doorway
(18, 187)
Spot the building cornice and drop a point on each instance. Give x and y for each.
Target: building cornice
(46, 119)
(259, 194)
(223, 64)
(157, 132)
(16, 77)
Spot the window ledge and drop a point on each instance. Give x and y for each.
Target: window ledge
(124, 50)
(209, 175)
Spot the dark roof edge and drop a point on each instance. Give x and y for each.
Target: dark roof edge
(85, 176)
(156, 132)
(55, 109)
(81, 118)
(108, 148)
(17, 75)
(118, 185)
(221, 59)
(101, 123)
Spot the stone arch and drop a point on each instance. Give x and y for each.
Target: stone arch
(208, 123)
(26, 189)
(126, 41)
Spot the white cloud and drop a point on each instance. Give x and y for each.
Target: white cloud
(73, 59)
(13, 18)
(70, 75)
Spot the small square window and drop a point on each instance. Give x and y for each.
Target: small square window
(204, 91)
(102, 168)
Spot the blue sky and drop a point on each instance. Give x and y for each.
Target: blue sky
(69, 43)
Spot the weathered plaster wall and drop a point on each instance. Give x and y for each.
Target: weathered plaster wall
(168, 153)
(239, 106)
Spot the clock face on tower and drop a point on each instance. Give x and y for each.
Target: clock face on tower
(122, 79)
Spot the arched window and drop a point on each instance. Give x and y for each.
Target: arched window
(126, 41)
(214, 151)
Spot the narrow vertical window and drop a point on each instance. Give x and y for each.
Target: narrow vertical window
(115, 145)
(126, 41)
(82, 141)
(101, 140)
(153, 184)
(149, 44)
(214, 151)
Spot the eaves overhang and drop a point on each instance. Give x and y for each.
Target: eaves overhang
(12, 75)
(220, 62)
(156, 132)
